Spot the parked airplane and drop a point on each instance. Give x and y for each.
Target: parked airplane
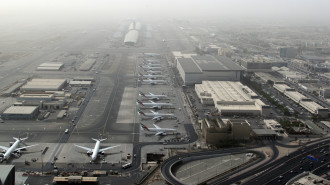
(153, 104)
(152, 64)
(155, 115)
(159, 131)
(152, 82)
(150, 76)
(150, 67)
(152, 72)
(96, 150)
(151, 54)
(13, 150)
(152, 61)
(152, 96)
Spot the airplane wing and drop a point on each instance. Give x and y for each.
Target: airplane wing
(159, 133)
(153, 112)
(151, 101)
(104, 149)
(156, 126)
(17, 156)
(151, 93)
(4, 148)
(85, 148)
(25, 147)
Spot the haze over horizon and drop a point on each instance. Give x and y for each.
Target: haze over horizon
(293, 12)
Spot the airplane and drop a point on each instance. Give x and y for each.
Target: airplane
(150, 67)
(13, 150)
(152, 64)
(150, 76)
(152, 72)
(155, 115)
(152, 54)
(152, 96)
(152, 82)
(153, 104)
(151, 61)
(159, 131)
(94, 152)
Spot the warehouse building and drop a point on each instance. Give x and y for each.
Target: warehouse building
(215, 130)
(302, 100)
(273, 125)
(258, 63)
(131, 37)
(50, 66)
(20, 112)
(36, 97)
(80, 83)
(195, 69)
(44, 85)
(231, 98)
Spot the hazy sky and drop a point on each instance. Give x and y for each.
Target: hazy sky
(302, 11)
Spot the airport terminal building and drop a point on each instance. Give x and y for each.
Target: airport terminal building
(195, 69)
(231, 98)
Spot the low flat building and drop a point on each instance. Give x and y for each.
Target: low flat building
(231, 98)
(273, 125)
(302, 100)
(20, 112)
(36, 97)
(215, 130)
(257, 64)
(264, 134)
(50, 66)
(38, 84)
(195, 69)
(80, 83)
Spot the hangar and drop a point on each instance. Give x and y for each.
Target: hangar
(131, 37)
(195, 69)
(44, 85)
(20, 112)
(231, 98)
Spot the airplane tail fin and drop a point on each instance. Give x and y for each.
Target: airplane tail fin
(94, 139)
(19, 139)
(102, 139)
(141, 94)
(140, 112)
(143, 127)
(138, 102)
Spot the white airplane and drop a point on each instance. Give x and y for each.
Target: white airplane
(150, 76)
(152, 96)
(150, 67)
(152, 64)
(96, 150)
(152, 82)
(13, 150)
(159, 131)
(152, 72)
(155, 115)
(152, 61)
(151, 54)
(153, 105)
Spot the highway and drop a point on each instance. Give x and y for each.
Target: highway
(267, 173)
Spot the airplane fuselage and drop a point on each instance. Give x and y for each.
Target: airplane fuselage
(96, 150)
(11, 150)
